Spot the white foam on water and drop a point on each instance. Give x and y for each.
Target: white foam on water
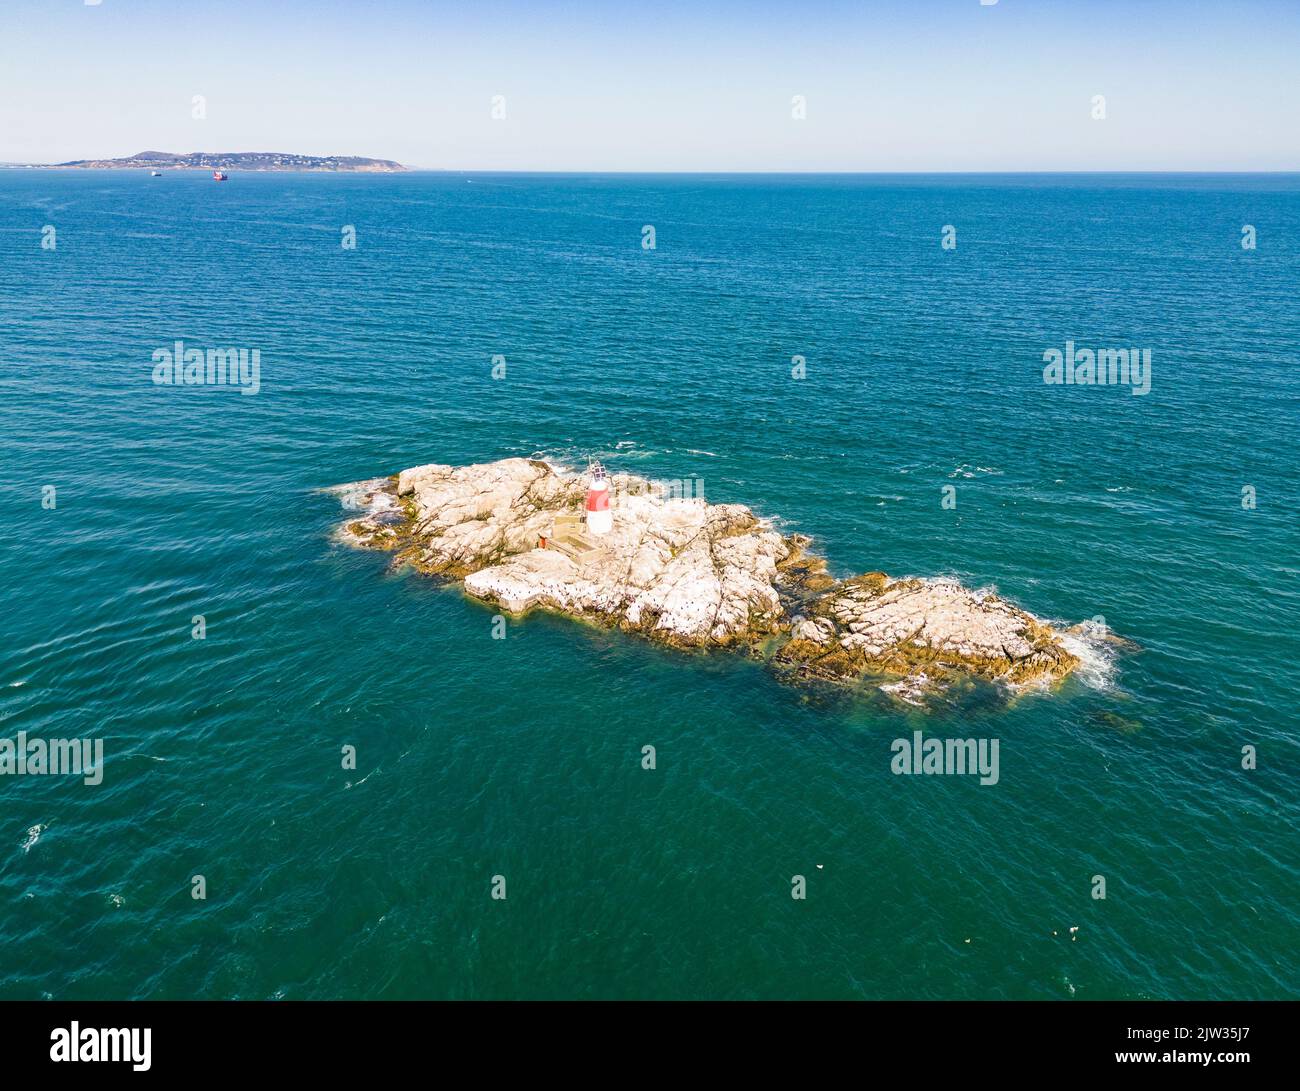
(33, 835)
(782, 524)
(966, 471)
(1097, 660)
(372, 496)
(908, 689)
(629, 453)
(557, 463)
(360, 782)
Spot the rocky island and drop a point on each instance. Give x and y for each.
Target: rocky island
(241, 161)
(521, 535)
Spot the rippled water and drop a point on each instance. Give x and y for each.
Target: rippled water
(522, 757)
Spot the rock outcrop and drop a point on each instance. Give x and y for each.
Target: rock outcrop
(694, 574)
(935, 628)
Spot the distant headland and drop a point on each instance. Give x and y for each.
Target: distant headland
(242, 161)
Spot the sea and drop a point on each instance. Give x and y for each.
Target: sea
(324, 777)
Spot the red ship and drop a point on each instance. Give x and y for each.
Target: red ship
(219, 176)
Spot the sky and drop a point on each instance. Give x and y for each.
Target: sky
(895, 85)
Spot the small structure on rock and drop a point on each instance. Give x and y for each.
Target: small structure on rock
(600, 519)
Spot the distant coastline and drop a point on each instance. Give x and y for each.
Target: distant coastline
(242, 161)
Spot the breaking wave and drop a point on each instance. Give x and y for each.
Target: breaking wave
(1097, 660)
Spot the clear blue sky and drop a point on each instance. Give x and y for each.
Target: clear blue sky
(605, 85)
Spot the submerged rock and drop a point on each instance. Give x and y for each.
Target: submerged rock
(694, 574)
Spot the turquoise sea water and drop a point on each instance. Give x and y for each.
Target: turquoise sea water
(522, 757)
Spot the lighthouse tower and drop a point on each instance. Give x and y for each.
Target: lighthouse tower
(600, 520)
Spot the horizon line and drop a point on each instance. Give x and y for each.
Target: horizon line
(67, 166)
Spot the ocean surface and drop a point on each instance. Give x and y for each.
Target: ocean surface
(522, 757)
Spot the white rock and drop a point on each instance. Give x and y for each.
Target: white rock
(688, 571)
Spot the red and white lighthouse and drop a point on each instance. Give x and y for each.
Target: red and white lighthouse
(600, 520)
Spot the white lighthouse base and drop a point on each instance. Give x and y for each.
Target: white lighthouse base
(600, 522)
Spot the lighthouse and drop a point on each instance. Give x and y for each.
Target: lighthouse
(600, 520)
